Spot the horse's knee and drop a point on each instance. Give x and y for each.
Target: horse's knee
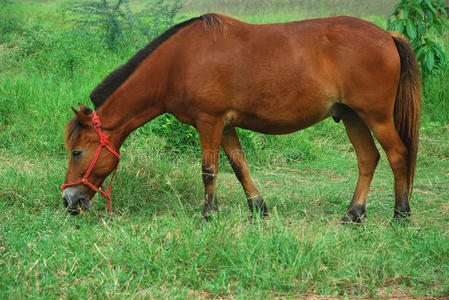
(208, 174)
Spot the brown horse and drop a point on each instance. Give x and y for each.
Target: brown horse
(217, 73)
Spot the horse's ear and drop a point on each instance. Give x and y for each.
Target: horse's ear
(86, 110)
(82, 117)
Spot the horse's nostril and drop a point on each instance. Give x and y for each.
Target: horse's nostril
(65, 200)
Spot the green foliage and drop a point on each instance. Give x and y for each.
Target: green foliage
(414, 19)
(176, 137)
(117, 24)
(3, 3)
(160, 14)
(109, 20)
(58, 52)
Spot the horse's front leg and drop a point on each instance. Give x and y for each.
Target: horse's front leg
(210, 131)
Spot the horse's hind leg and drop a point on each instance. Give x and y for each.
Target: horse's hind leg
(367, 158)
(210, 132)
(389, 139)
(231, 145)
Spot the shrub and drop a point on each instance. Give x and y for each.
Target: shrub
(414, 19)
(104, 18)
(3, 3)
(177, 137)
(117, 24)
(156, 17)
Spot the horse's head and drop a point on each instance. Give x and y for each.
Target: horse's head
(90, 163)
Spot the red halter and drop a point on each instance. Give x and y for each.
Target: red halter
(104, 140)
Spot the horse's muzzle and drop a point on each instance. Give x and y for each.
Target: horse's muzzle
(75, 200)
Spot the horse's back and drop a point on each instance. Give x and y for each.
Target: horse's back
(287, 74)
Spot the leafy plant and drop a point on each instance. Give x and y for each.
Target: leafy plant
(3, 3)
(108, 19)
(157, 17)
(177, 135)
(116, 23)
(414, 19)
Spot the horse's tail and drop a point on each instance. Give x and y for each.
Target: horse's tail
(407, 108)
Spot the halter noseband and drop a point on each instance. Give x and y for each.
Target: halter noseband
(104, 140)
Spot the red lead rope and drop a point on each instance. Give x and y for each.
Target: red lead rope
(104, 140)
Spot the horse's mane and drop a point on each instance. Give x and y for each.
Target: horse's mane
(102, 91)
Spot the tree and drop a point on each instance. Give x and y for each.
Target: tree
(414, 19)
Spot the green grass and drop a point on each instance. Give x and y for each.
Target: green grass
(157, 245)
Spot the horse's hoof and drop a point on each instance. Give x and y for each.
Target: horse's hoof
(209, 214)
(401, 215)
(260, 207)
(350, 219)
(356, 214)
(401, 218)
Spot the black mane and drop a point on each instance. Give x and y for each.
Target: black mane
(119, 75)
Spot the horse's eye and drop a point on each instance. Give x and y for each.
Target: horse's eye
(76, 153)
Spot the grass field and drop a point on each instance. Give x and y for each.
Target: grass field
(157, 244)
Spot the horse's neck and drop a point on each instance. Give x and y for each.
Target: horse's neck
(125, 110)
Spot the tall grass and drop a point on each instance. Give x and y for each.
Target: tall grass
(156, 245)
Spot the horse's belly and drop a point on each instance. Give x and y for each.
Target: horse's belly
(279, 121)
